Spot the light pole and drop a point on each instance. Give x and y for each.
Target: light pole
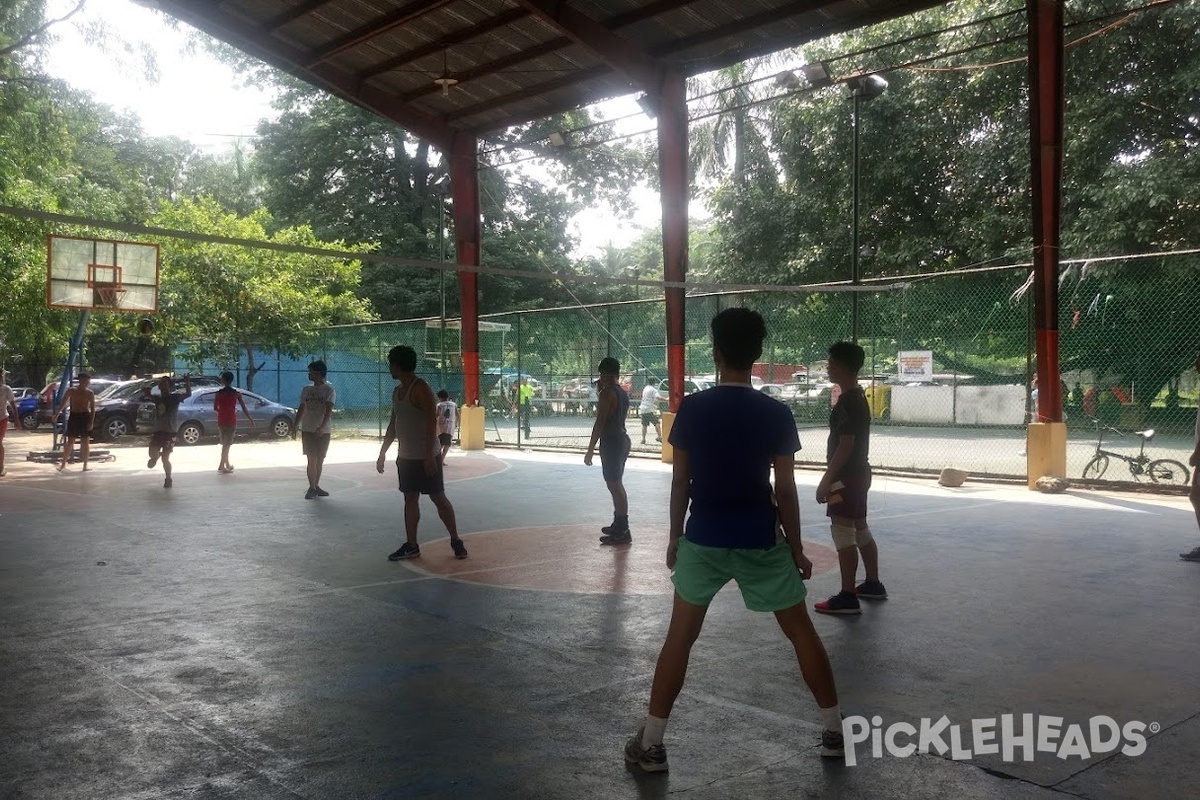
(862, 88)
(439, 189)
(636, 272)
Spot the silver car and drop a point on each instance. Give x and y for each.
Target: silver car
(197, 418)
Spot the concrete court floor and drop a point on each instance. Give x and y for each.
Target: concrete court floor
(228, 639)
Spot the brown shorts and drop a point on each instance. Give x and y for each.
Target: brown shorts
(854, 497)
(226, 433)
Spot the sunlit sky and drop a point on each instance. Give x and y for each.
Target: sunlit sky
(198, 98)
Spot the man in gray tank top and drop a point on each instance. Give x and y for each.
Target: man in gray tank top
(419, 461)
(609, 429)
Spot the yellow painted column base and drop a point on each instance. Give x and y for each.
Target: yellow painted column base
(472, 425)
(668, 452)
(1046, 449)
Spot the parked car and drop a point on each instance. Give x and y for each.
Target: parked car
(577, 388)
(197, 418)
(794, 391)
(121, 410)
(20, 394)
(36, 408)
(117, 410)
(27, 412)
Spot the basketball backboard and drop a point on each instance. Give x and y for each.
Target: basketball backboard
(102, 275)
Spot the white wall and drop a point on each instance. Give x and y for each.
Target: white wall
(930, 405)
(974, 405)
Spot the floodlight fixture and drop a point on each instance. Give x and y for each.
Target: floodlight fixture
(649, 107)
(817, 74)
(867, 86)
(787, 80)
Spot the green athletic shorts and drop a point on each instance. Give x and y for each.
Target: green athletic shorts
(768, 579)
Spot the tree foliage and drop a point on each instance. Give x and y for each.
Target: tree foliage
(944, 173)
(35, 145)
(217, 296)
(361, 178)
(944, 177)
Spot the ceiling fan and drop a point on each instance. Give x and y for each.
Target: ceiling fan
(446, 80)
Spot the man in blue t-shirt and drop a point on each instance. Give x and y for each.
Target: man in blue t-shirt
(845, 484)
(726, 442)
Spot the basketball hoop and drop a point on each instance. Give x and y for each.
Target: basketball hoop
(102, 275)
(107, 298)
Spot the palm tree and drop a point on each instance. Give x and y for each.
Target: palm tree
(732, 131)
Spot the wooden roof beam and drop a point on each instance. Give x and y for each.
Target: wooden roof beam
(201, 15)
(649, 11)
(291, 15)
(643, 71)
(464, 35)
(763, 21)
(492, 67)
(364, 33)
(526, 93)
(544, 49)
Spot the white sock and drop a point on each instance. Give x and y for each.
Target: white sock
(653, 731)
(831, 718)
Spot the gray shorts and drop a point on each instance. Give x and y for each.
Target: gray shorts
(613, 453)
(226, 433)
(315, 445)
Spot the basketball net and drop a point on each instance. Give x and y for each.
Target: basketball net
(107, 298)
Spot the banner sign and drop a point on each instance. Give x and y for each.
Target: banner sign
(915, 366)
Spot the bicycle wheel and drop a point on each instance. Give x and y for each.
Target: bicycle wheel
(1095, 468)
(1164, 470)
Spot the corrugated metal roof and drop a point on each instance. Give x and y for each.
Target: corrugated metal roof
(513, 60)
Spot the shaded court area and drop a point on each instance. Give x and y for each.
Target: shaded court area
(228, 639)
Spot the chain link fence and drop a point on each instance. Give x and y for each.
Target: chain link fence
(948, 372)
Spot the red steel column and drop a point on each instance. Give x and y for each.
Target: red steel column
(1046, 99)
(464, 185)
(673, 175)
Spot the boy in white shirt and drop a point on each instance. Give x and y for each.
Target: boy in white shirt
(649, 409)
(447, 420)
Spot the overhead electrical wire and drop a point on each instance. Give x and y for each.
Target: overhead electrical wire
(913, 64)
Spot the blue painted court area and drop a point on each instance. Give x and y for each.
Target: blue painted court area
(228, 639)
